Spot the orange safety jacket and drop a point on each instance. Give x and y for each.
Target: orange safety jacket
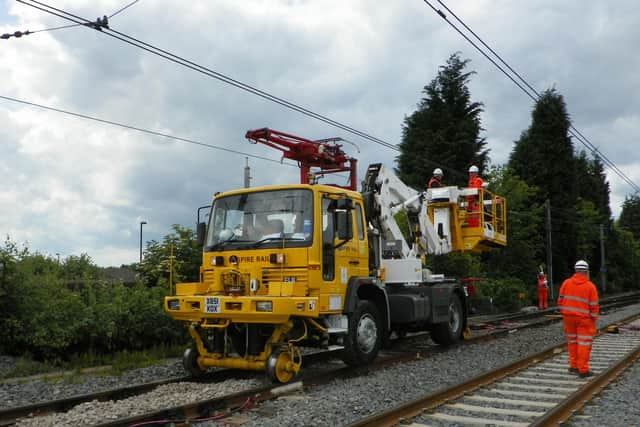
(434, 183)
(475, 182)
(542, 281)
(578, 297)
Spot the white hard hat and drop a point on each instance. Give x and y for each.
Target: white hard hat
(582, 265)
(473, 169)
(437, 172)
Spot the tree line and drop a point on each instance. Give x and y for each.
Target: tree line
(546, 175)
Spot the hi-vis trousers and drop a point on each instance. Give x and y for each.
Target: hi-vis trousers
(579, 332)
(543, 295)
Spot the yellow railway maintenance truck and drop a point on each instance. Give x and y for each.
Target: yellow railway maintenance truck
(313, 265)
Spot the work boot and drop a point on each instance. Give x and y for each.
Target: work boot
(573, 370)
(586, 374)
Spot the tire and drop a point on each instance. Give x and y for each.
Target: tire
(190, 362)
(364, 335)
(450, 332)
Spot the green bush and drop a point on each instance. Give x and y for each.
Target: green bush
(48, 319)
(42, 316)
(505, 293)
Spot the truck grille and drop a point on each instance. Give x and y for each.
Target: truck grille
(298, 275)
(209, 278)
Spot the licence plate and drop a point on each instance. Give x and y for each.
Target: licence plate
(212, 305)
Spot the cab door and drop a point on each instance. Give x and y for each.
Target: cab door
(359, 237)
(341, 259)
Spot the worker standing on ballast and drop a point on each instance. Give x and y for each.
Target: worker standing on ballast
(436, 179)
(543, 288)
(578, 304)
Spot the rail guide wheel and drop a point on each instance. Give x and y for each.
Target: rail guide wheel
(190, 362)
(284, 364)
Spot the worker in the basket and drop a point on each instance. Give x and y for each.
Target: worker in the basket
(473, 205)
(436, 179)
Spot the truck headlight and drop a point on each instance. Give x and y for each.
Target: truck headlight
(264, 306)
(174, 304)
(217, 261)
(277, 258)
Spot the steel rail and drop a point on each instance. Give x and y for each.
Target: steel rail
(585, 393)
(10, 415)
(190, 411)
(223, 406)
(403, 412)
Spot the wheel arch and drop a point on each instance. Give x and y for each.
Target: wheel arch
(365, 288)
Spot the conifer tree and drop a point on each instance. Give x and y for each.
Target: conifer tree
(444, 131)
(592, 185)
(630, 215)
(543, 157)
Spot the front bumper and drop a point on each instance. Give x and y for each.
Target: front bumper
(240, 309)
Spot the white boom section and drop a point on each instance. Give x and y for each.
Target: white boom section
(395, 196)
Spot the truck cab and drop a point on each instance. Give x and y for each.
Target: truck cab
(277, 265)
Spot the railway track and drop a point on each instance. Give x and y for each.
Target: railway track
(535, 391)
(403, 350)
(226, 404)
(9, 416)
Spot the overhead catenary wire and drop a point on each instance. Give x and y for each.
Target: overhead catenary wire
(214, 74)
(155, 133)
(207, 71)
(529, 90)
(139, 129)
(19, 34)
(122, 9)
(573, 130)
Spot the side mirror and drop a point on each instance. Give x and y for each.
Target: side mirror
(201, 233)
(344, 224)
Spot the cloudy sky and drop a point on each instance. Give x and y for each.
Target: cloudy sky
(72, 186)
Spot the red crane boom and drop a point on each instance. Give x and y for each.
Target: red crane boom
(323, 154)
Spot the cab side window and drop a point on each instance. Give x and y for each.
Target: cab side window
(359, 223)
(328, 236)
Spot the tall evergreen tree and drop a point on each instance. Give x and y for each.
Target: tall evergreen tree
(592, 185)
(543, 157)
(623, 261)
(444, 131)
(593, 211)
(630, 215)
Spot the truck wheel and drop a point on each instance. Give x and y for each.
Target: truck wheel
(364, 335)
(450, 332)
(190, 362)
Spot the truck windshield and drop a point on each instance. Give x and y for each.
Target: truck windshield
(261, 219)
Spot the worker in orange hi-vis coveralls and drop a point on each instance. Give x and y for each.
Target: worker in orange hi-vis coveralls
(542, 291)
(473, 207)
(578, 303)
